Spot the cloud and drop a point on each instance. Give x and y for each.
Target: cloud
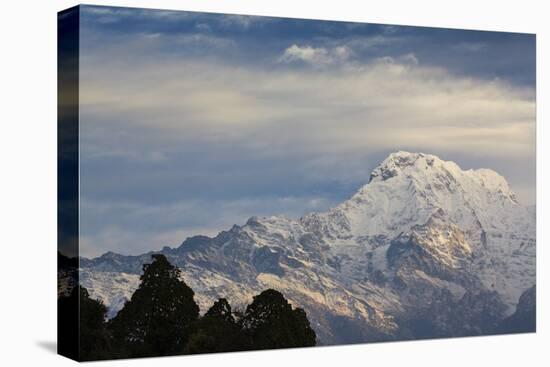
(410, 58)
(179, 139)
(316, 56)
(469, 46)
(107, 14)
(243, 22)
(386, 103)
(407, 59)
(161, 19)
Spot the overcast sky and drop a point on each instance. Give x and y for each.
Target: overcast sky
(193, 122)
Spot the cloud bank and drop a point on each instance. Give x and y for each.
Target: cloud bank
(190, 132)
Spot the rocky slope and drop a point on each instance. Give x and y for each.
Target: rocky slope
(524, 319)
(425, 249)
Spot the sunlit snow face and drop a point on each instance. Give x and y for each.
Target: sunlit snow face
(192, 122)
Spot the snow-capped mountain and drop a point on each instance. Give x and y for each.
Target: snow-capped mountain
(424, 249)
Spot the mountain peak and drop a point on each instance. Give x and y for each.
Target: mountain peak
(424, 164)
(407, 188)
(400, 160)
(423, 226)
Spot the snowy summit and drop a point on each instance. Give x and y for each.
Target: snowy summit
(423, 239)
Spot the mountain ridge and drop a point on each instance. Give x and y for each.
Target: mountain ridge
(420, 228)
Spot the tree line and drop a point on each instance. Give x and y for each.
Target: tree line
(162, 319)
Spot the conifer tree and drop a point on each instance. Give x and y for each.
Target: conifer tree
(157, 320)
(95, 341)
(216, 331)
(270, 322)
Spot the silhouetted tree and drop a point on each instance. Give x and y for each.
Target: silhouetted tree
(67, 306)
(83, 332)
(157, 319)
(216, 331)
(270, 322)
(162, 318)
(95, 342)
